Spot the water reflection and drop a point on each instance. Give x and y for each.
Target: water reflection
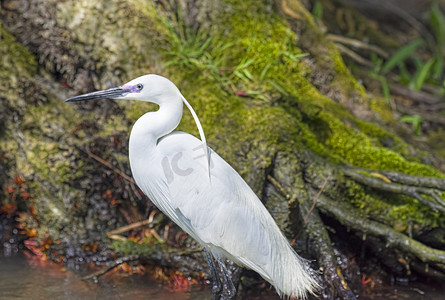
(27, 278)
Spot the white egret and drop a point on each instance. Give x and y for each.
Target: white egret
(201, 192)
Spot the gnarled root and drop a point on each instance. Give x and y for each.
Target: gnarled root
(319, 183)
(319, 236)
(348, 216)
(412, 186)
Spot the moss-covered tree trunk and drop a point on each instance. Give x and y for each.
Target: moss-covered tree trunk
(275, 100)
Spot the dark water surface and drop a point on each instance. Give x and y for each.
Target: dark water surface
(22, 277)
(415, 291)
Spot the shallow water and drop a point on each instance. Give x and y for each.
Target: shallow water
(27, 278)
(414, 291)
(24, 278)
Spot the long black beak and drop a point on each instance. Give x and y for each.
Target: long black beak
(110, 93)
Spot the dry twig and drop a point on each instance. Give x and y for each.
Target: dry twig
(107, 164)
(111, 266)
(357, 44)
(354, 56)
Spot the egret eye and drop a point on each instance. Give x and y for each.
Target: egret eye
(139, 86)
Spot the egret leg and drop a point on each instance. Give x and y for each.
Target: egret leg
(217, 286)
(227, 280)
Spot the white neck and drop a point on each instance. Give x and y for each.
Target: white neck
(152, 126)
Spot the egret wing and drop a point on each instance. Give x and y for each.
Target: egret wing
(221, 212)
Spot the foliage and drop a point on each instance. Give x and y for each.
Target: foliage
(200, 52)
(415, 120)
(437, 22)
(400, 56)
(376, 73)
(416, 70)
(317, 10)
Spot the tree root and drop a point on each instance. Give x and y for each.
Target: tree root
(428, 182)
(425, 271)
(348, 216)
(357, 58)
(306, 189)
(323, 249)
(415, 191)
(358, 44)
(418, 97)
(318, 235)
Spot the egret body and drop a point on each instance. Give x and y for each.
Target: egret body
(201, 192)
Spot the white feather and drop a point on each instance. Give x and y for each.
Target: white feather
(223, 214)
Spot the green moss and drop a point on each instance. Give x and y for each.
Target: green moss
(437, 141)
(380, 106)
(398, 211)
(343, 78)
(299, 117)
(358, 149)
(34, 147)
(282, 112)
(16, 59)
(383, 138)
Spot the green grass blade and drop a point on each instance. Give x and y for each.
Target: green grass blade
(298, 56)
(384, 83)
(423, 73)
(277, 87)
(248, 74)
(245, 64)
(400, 56)
(264, 72)
(240, 75)
(438, 67)
(317, 10)
(416, 122)
(437, 21)
(204, 46)
(385, 88)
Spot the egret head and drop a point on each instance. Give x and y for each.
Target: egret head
(150, 88)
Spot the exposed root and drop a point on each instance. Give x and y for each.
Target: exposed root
(323, 249)
(315, 201)
(348, 216)
(306, 189)
(418, 97)
(320, 239)
(426, 271)
(417, 191)
(357, 58)
(358, 44)
(428, 182)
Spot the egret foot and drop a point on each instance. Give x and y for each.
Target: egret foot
(217, 287)
(229, 290)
